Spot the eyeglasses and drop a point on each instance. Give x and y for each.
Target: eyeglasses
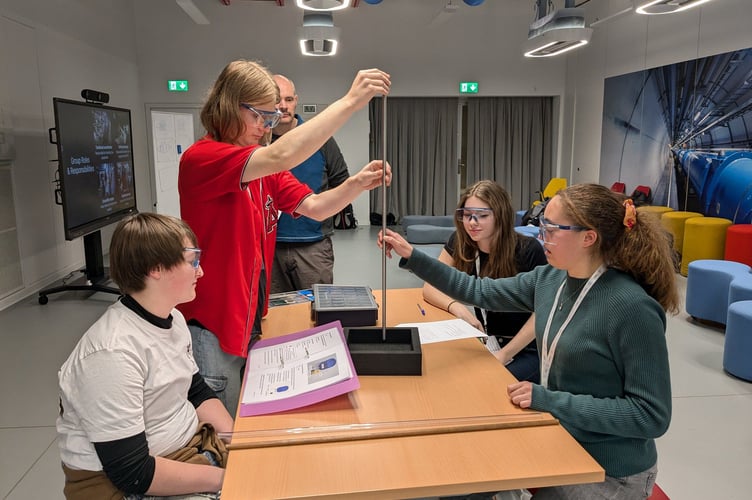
(547, 227)
(270, 118)
(468, 214)
(197, 259)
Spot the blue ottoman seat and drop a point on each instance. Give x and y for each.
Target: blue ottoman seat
(740, 288)
(708, 283)
(737, 347)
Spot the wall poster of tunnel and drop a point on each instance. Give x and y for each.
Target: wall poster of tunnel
(685, 131)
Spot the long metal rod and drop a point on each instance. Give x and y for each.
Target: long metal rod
(383, 218)
(379, 430)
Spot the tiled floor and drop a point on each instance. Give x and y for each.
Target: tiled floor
(706, 454)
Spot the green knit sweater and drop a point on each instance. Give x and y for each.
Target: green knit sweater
(609, 383)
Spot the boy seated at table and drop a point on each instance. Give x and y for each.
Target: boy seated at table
(136, 418)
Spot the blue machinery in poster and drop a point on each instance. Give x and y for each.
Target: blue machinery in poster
(722, 181)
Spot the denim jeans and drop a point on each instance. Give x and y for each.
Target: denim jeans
(223, 372)
(635, 487)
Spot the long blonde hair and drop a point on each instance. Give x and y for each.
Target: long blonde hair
(240, 81)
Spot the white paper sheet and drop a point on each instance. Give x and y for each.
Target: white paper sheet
(441, 331)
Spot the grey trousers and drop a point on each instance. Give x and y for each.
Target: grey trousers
(636, 487)
(297, 266)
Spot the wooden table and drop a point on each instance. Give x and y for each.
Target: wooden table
(461, 382)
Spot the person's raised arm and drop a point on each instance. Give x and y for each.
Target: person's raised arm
(442, 301)
(298, 144)
(325, 204)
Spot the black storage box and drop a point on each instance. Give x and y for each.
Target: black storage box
(398, 354)
(350, 305)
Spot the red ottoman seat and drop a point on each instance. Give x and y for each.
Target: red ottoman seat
(739, 243)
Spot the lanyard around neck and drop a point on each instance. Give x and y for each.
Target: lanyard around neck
(546, 353)
(483, 312)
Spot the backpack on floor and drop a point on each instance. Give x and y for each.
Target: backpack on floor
(345, 218)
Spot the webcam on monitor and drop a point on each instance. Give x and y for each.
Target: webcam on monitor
(95, 96)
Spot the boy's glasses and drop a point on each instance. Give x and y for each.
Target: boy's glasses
(468, 214)
(547, 227)
(269, 118)
(197, 259)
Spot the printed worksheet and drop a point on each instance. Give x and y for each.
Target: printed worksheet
(296, 370)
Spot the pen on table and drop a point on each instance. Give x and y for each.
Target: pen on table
(422, 311)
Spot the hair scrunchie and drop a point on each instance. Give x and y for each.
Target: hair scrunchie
(630, 214)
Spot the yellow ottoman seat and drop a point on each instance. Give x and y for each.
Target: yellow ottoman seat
(674, 221)
(704, 238)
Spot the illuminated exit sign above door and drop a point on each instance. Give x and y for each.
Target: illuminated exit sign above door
(469, 87)
(177, 85)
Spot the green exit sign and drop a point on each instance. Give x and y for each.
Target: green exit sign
(177, 85)
(468, 87)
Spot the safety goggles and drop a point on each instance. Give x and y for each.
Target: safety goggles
(548, 228)
(197, 259)
(270, 119)
(469, 214)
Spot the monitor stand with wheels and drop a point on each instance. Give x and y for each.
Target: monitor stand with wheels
(95, 272)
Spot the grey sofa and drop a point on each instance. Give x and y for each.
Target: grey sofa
(428, 229)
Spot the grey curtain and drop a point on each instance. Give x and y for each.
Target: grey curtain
(510, 140)
(422, 150)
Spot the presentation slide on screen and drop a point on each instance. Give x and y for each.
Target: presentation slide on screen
(97, 161)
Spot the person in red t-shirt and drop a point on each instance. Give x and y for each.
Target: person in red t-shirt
(232, 186)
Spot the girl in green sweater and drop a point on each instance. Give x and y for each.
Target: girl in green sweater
(600, 327)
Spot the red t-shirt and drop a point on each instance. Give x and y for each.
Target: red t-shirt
(236, 227)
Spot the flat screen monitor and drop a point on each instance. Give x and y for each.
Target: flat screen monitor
(95, 154)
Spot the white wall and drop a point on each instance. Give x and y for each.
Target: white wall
(55, 49)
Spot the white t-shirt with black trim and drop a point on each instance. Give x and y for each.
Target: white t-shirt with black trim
(126, 376)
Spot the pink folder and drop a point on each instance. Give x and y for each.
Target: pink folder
(309, 397)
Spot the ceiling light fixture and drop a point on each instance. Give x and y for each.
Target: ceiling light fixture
(655, 7)
(558, 32)
(318, 36)
(557, 42)
(322, 5)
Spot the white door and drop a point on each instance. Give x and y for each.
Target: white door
(172, 133)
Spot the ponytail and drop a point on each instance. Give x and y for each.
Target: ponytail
(645, 252)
